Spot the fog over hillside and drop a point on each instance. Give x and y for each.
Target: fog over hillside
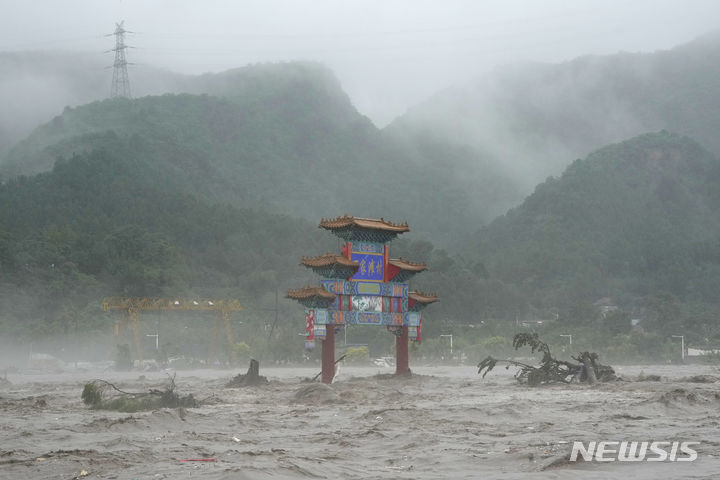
(37, 86)
(508, 131)
(388, 56)
(532, 120)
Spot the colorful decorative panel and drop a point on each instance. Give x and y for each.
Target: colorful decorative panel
(310, 325)
(343, 287)
(366, 318)
(367, 303)
(369, 288)
(359, 318)
(371, 266)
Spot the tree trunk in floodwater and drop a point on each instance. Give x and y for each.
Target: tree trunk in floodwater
(252, 377)
(589, 368)
(253, 369)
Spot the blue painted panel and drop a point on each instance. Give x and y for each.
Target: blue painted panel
(371, 266)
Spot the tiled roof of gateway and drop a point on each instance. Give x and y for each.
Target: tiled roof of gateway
(373, 224)
(309, 292)
(403, 264)
(421, 297)
(327, 260)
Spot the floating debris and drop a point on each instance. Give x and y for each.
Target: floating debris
(551, 370)
(96, 396)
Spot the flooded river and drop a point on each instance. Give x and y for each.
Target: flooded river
(444, 422)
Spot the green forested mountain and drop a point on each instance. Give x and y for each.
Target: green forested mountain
(169, 196)
(104, 223)
(218, 195)
(97, 225)
(531, 120)
(284, 138)
(634, 221)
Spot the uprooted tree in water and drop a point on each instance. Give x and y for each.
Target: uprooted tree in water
(103, 395)
(551, 370)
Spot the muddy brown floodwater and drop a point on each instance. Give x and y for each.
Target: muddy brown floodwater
(444, 422)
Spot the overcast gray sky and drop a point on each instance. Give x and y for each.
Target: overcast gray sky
(388, 54)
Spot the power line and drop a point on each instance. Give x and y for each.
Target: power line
(55, 41)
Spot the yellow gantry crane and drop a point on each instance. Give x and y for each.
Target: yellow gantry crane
(132, 306)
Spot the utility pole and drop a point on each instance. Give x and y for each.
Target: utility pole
(276, 314)
(120, 80)
(157, 339)
(451, 341)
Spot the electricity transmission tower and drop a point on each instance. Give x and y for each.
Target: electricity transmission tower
(120, 81)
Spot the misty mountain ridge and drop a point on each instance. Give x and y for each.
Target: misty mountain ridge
(37, 85)
(252, 88)
(282, 137)
(531, 120)
(632, 220)
(491, 143)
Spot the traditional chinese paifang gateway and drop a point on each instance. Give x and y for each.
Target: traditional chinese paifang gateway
(362, 285)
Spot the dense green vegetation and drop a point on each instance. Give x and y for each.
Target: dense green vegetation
(104, 223)
(285, 138)
(634, 224)
(202, 196)
(96, 225)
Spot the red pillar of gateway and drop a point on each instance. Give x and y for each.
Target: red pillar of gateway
(328, 355)
(402, 359)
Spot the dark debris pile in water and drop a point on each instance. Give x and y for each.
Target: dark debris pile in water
(251, 377)
(551, 370)
(103, 395)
